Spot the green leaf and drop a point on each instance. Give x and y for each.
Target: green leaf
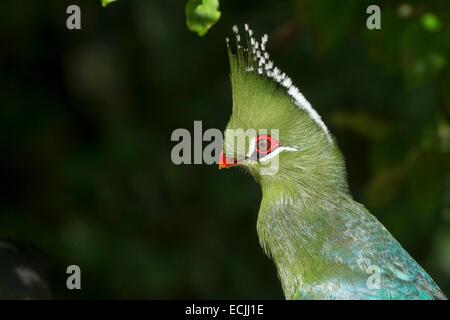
(201, 15)
(106, 2)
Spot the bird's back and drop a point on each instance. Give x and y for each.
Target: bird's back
(369, 264)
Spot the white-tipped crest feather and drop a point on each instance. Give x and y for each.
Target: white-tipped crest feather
(264, 66)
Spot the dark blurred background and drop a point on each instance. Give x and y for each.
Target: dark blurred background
(86, 119)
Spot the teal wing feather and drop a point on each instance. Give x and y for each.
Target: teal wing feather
(361, 247)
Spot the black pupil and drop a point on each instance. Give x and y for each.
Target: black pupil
(263, 145)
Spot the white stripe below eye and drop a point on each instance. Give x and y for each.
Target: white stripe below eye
(276, 152)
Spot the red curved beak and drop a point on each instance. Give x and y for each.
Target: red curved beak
(225, 162)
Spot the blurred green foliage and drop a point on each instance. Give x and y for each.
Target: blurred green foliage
(201, 15)
(431, 22)
(86, 119)
(106, 2)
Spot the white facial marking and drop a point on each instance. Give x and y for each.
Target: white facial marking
(276, 152)
(268, 157)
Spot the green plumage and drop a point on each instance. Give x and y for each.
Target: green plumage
(324, 244)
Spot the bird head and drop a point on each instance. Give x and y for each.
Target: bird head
(274, 133)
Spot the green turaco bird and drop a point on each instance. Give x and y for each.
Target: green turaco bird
(325, 245)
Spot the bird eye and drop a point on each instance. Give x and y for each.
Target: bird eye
(266, 144)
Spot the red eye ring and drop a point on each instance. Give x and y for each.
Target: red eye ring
(272, 144)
